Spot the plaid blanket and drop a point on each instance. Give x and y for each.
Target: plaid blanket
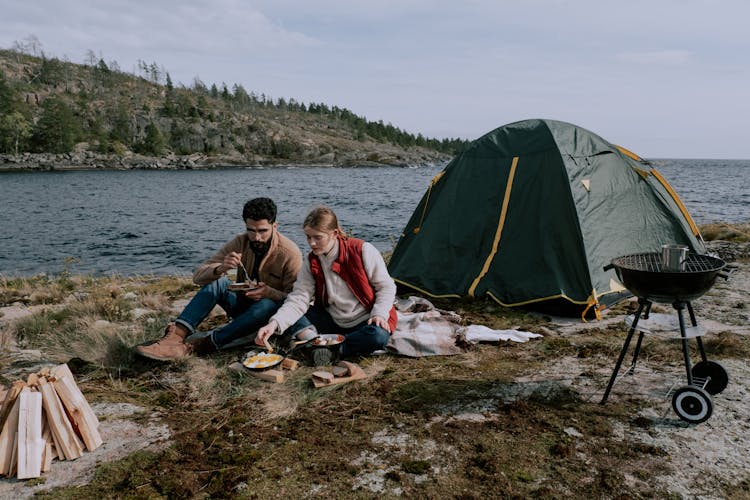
(424, 330)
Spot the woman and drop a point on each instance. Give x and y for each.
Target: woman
(352, 290)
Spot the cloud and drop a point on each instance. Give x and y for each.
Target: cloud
(671, 57)
(440, 67)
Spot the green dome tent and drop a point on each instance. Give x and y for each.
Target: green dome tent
(531, 212)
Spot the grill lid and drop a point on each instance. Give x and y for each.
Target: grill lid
(652, 263)
(644, 276)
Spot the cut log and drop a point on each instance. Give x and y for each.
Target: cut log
(13, 457)
(66, 441)
(49, 437)
(290, 364)
(30, 442)
(61, 371)
(47, 457)
(33, 380)
(41, 419)
(7, 439)
(79, 411)
(49, 445)
(276, 376)
(10, 399)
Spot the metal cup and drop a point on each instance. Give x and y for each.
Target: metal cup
(673, 257)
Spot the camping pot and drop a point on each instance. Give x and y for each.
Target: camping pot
(673, 257)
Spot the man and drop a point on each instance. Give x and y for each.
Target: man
(268, 257)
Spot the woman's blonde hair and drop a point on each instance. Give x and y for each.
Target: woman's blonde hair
(323, 218)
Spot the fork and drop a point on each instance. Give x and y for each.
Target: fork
(247, 276)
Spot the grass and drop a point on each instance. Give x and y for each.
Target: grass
(725, 231)
(469, 426)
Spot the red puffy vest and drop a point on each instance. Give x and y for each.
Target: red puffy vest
(349, 266)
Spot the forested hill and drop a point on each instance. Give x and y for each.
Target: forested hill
(64, 110)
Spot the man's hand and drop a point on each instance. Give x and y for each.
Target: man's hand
(378, 321)
(231, 260)
(265, 332)
(259, 292)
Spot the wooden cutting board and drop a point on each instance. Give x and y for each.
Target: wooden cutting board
(272, 375)
(324, 378)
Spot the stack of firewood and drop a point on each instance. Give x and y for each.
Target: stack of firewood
(43, 418)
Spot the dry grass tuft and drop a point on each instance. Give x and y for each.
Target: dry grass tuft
(726, 232)
(204, 382)
(34, 290)
(156, 302)
(168, 286)
(278, 402)
(94, 322)
(728, 345)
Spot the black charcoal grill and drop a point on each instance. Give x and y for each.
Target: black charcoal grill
(645, 277)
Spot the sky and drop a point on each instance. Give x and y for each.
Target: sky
(663, 78)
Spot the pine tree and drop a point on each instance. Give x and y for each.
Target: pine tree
(14, 131)
(57, 129)
(154, 142)
(169, 105)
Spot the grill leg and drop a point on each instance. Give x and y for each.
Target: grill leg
(647, 311)
(637, 350)
(699, 340)
(641, 304)
(680, 306)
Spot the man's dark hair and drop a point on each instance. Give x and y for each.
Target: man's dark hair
(259, 209)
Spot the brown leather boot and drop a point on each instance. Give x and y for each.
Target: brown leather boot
(203, 346)
(170, 347)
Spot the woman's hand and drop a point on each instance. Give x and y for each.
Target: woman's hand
(378, 321)
(265, 332)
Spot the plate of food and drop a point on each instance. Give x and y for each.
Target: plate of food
(327, 340)
(243, 286)
(261, 360)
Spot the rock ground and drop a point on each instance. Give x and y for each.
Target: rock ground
(699, 458)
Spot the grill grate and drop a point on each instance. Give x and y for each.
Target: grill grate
(651, 262)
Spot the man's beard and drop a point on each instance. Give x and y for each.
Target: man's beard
(260, 246)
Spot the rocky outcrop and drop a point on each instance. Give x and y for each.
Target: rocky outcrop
(92, 161)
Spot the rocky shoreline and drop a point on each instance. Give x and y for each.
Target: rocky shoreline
(87, 160)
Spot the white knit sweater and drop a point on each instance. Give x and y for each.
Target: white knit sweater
(343, 306)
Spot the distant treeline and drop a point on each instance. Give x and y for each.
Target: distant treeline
(50, 105)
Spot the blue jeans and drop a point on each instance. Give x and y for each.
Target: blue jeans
(247, 315)
(360, 340)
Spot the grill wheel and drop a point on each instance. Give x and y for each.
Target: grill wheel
(692, 404)
(714, 372)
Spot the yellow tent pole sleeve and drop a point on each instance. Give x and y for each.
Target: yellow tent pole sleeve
(593, 301)
(677, 200)
(499, 231)
(628, 153)
(420, 290)
(427, 201)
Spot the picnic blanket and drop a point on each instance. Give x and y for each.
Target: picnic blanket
(424, 330)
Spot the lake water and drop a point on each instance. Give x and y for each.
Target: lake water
(167, 222)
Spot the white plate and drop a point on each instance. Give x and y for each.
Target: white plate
(327, 340)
